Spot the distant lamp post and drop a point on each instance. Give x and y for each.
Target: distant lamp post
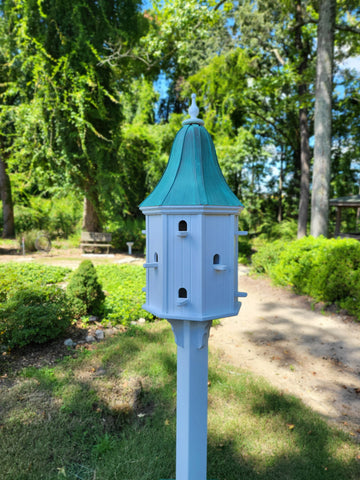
(191, 273)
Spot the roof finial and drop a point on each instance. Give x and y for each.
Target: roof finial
(193, 112)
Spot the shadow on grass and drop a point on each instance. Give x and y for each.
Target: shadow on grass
(58, 424)
(312, 452)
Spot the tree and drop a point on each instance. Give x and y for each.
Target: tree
(303, 44)
(323, 115)
(68, 115)
(5, 127)
(7, 204)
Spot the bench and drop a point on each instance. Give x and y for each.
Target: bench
(95, 240)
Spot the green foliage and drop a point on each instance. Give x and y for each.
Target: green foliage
(85, 291)
(137, 150)
(245, 250)
(125, 297)
(34, 315)
(128, 229)
(59, 216)
(267, 256)
(327, 270)
(29, 238)
(14, 276)
(285, 230)
(297, 262)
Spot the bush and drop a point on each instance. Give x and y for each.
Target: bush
(34, 316)
(296, 262)
(84, 290)
(326, 270)
(125, 297)
(267, 256)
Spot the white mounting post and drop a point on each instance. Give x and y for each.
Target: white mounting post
(191, 338)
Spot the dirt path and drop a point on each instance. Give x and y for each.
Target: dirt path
(306, 353)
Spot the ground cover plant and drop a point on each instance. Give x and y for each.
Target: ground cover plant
(109, 413)
(16, 275)
(125, 297)
(327, 270)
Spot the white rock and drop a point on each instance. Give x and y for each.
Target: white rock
(89, 339)
(141, 320)
(100, 335)
(69, 343)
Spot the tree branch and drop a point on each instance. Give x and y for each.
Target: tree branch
(347, 28)
(278, 56)
(219, 4)
(338, 26)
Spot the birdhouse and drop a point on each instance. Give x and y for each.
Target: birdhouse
(192, 233)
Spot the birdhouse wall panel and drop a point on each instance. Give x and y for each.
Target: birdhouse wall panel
(235, 258)
(219, 264)
(179, 235)
(155, 261)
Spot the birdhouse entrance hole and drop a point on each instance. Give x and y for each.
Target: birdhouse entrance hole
(182, 226)
(216, 260)
(156, 257)
(182, 293)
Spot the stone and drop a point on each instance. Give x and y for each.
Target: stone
(133, 322)
(93, 318)
(69, 343)
(90, 339)
(141, 320)
(109, 332)
(100, 335)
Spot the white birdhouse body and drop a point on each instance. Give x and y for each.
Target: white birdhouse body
(192, 234)
(191, 262)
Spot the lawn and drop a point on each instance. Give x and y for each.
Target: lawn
(109, 413)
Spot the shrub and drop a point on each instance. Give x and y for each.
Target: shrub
(327, 270)
(34, 316)
(85, 291)
(267, 256)
(296, 262)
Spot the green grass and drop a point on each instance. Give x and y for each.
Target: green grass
(110, 414)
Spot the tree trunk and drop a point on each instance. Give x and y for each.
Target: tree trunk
(7, 204)
(305, 173)
(91, 221)
(304, 129)
(323, 94)
(280, 204)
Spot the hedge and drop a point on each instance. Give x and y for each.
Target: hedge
(326, 270)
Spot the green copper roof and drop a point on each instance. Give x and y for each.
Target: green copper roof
(193, 175)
